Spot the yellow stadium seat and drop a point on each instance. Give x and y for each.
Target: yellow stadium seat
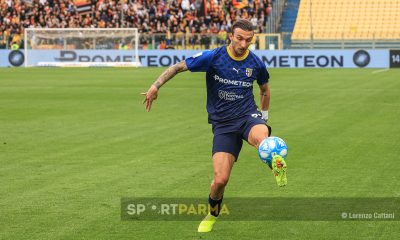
(349, 19)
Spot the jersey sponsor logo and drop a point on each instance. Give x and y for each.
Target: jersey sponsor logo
(229, 96)
(232, 82)
(249, 72)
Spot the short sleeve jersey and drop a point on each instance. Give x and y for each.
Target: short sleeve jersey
(229, 82)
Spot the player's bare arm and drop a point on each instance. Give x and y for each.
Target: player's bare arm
(264, 100)
(168, 74)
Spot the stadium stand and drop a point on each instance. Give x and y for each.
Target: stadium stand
(192, 21)
(348, 20)
(289, 16)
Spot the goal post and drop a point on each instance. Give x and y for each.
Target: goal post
(82, 47)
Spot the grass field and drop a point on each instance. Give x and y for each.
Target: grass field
(74, 141)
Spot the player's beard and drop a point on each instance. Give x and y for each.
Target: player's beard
(241, 51)
(238, 51)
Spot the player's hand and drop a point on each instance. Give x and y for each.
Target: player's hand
(264, 115)
(150, 96)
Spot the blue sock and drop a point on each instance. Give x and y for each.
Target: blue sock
(215, 205)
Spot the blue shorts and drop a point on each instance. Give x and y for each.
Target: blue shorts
(229, 136)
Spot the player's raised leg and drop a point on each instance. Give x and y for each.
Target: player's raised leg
(223, 163)
(257, 134)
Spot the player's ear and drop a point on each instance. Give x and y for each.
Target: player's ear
(230, 36)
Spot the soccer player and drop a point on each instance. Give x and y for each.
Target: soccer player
(230, 73)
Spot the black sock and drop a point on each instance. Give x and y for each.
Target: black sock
(215, 205)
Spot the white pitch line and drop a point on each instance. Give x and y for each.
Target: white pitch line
(381, 70)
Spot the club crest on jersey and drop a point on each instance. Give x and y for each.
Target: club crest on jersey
(249, 72)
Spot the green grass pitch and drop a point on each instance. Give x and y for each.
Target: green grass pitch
(74, 141)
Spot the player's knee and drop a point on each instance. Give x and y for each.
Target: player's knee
(263, 135)
(260, 139)
(258, 134)
(221, 181)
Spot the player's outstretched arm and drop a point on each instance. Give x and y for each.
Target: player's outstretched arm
(264, 100)
(168, 74)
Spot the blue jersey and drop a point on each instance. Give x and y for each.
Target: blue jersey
(229, 82)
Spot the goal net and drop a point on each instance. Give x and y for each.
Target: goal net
(81, 47)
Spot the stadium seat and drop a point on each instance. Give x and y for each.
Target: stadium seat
(348, 19)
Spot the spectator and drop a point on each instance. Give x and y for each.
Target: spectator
(3, 42)
(222, 35)
(185, 5)
(162, 45)
(182, 17)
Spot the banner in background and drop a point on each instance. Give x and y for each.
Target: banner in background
(394, 58)
(164, 58)
(4, 58)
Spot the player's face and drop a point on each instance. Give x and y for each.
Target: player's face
(241, 40)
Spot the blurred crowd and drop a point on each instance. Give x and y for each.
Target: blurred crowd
(188, 20)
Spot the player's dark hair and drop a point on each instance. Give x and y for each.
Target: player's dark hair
(242, 24)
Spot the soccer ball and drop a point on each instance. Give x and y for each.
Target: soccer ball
(270, 147)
